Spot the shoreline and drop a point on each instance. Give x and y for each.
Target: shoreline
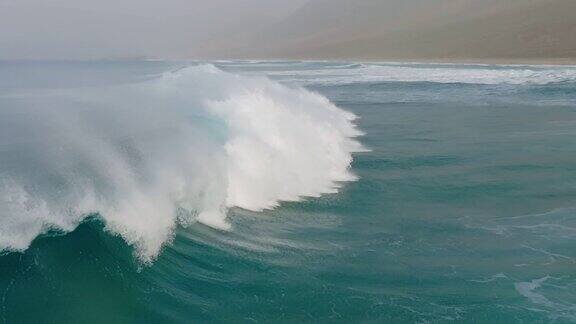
(551, 62)
(470, 61)
(494, 61)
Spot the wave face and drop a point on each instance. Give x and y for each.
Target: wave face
(180, 148)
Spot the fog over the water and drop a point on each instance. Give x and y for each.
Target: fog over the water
(60, 29)
(506, 30)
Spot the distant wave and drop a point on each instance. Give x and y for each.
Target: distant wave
(178, 149)
(437, 73)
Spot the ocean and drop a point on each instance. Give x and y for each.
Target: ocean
(286, 192)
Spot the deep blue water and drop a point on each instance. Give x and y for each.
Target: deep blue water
(464, 210)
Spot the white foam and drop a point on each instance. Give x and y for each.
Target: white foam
(488, 75)
(178, 149)
(557, 309)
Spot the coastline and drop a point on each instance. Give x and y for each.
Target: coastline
(566, 62)
(492, 61)
(550, 61)
(470, 61)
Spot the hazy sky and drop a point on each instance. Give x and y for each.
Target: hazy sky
(303, 29)
(60, 29)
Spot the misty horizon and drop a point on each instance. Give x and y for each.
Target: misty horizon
(421, 30)
(173, 29)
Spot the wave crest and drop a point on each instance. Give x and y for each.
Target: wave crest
(178, 149)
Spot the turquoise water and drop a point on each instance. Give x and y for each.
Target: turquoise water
(464, 210)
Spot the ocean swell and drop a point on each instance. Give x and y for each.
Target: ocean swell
(181, 148)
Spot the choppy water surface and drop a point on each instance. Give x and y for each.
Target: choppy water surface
(178, 192)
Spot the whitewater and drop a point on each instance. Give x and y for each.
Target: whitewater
(286, 192)
(181, 147)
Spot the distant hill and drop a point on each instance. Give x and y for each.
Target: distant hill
(420, 30)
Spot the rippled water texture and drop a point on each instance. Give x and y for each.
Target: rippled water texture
(179, 192)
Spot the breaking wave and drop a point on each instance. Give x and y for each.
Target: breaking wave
(181, 148)
(436, 73)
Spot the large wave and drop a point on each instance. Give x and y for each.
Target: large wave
(178, 149)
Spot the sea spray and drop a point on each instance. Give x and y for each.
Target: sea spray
(181, 148)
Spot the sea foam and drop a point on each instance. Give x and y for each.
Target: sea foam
(434, 73)
(179, 149)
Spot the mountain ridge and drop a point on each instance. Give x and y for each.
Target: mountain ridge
(421, 30)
